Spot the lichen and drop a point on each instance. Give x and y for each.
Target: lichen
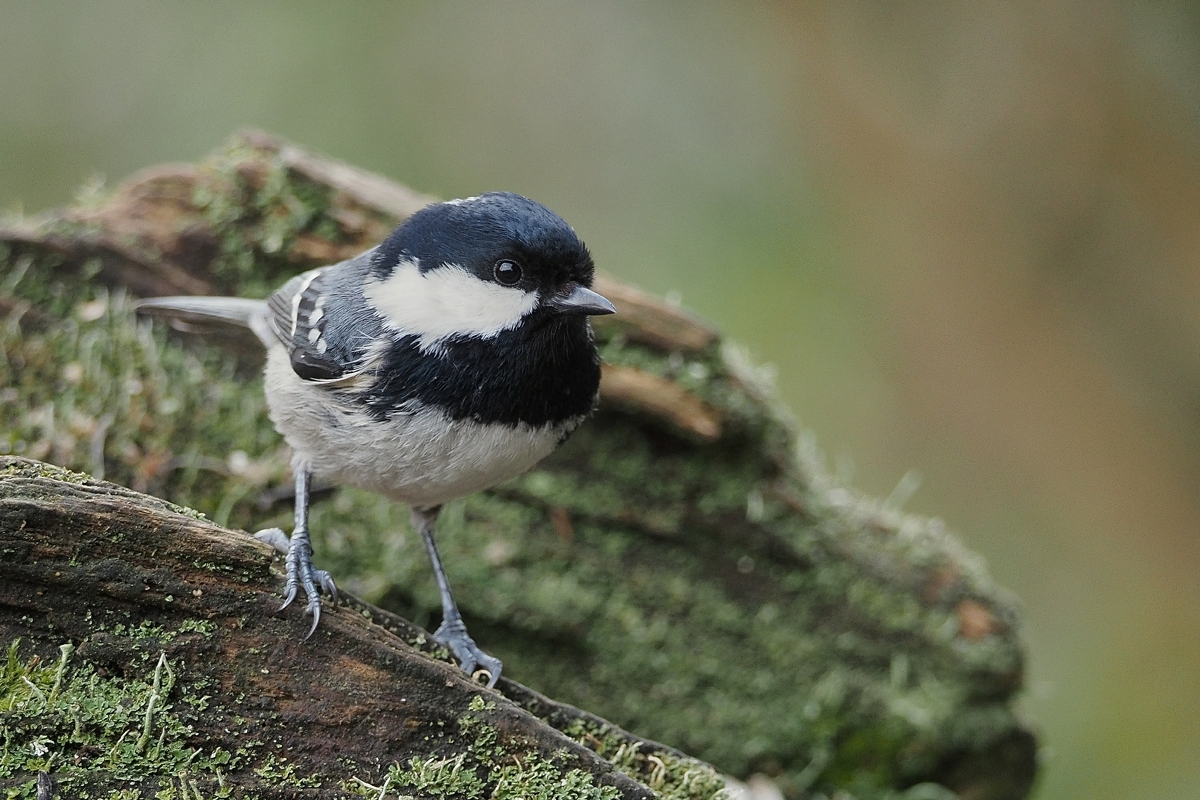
(99, 734)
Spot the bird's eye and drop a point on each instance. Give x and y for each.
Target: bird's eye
(507, 272)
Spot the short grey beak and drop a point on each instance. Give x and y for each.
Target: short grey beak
(579, 300)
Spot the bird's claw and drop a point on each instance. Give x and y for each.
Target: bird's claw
(455, 639)
(301, 573)
(314, 608)
(325, 580)
(288, 596)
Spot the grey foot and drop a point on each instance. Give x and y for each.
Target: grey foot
(455, 639)
(300, 572)
(279, 540)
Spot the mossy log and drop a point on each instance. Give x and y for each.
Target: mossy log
(175, 676)
(684, 566)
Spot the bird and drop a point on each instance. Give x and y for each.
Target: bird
(453, 356)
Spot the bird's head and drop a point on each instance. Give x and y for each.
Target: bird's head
(477, 267)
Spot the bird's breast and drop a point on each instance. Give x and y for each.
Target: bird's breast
(421, 455)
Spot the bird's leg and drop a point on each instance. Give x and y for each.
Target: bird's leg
(300, 569)
(452, 633)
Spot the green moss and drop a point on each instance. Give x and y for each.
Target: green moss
(485, 769)
(670, 775)
(101, 393)
(258, 207)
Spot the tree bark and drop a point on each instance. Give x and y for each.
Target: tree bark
(684, 566)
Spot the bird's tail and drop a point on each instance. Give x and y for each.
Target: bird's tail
(198, 314)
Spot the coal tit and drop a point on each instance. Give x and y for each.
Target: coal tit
(452, 357)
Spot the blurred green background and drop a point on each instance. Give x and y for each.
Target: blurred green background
(967, 234)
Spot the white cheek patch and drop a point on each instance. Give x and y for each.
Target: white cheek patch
(446, 301)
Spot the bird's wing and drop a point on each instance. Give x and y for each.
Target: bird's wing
(321, 320)
(296, 316)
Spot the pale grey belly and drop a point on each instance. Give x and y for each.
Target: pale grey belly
(423, 459)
